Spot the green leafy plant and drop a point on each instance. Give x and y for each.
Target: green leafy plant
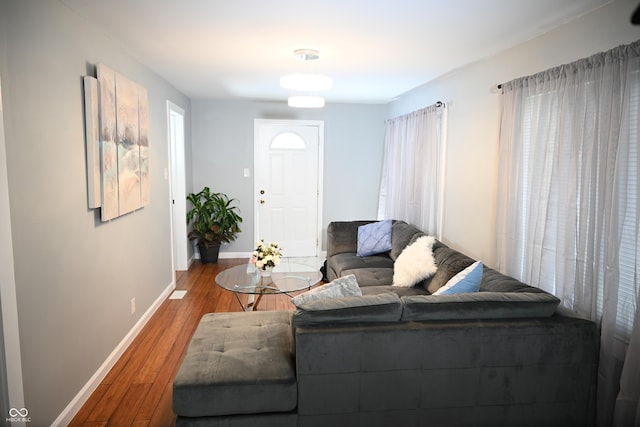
(214, 218)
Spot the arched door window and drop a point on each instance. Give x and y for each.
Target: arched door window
(288, 141)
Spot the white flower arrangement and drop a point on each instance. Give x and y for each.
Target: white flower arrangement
(266, 256)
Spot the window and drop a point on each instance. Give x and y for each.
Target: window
(288, 141)
(568, 185)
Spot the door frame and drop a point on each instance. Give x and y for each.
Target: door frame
(256, 197)
(177, 192)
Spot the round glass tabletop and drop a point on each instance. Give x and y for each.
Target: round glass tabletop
(285, 278)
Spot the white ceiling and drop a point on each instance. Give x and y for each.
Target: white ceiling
(375, 50)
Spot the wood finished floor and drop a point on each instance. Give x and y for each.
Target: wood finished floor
(138, 389)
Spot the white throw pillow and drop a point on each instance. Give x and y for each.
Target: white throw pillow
(415, 263)
(341, 287)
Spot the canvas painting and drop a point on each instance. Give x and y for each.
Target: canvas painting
(128, 145)
(123, 144)
(108, 149)
(145, 183)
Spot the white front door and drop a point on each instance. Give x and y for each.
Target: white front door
(288, 160)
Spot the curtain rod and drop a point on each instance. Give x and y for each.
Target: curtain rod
(436, 104)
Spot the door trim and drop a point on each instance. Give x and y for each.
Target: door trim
(177, 192)
(320, 125)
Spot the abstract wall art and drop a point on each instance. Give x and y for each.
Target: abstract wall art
(123, 147)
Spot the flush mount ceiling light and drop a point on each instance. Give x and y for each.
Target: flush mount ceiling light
(306, 84)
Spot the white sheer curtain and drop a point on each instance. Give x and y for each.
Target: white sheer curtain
(413, 167)
(567, 214)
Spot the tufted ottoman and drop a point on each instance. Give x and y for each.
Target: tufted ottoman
(237, 363)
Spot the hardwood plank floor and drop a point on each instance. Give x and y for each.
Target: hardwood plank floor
(138, 389)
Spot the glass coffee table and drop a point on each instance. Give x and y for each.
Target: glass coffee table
(287, 277)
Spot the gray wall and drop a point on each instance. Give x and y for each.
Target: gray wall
(74, 275)
(11, 387)
(474, 116)
(354, 137)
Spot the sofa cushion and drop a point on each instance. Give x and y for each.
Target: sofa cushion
(237, 363)
(479, 305)
(468, 280)
(415, 263)
(341, 287)
(401, 292)
(374, 238)
(373, 276)
(450, 262)
(343, 262)
(385, 307)
(401, 236)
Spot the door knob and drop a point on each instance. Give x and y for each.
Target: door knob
(261, 202)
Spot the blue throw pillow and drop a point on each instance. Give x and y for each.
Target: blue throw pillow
(468, 280)
(374, 238)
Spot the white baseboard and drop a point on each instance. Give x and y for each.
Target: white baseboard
(74, 406)
(228, 255)
(225, 255)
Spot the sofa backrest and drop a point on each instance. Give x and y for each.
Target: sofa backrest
(402, 234)
(478, 305)
(342, 236)
(389, 308)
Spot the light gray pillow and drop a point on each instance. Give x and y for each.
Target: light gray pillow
(341, 287)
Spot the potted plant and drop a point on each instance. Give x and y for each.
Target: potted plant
(215, 221)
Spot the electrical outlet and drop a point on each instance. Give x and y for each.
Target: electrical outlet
(133, 305)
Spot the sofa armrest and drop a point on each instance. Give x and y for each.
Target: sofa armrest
(380, 308)
(342, 236)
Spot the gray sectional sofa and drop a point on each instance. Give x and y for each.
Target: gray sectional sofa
(393, 356)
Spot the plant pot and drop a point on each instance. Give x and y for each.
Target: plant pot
(209, 255)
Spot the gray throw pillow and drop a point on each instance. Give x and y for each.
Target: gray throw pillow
(339, 288)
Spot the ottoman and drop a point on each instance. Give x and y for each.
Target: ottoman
(237, 364)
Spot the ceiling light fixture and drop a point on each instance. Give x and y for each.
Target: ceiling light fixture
(306, 83)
